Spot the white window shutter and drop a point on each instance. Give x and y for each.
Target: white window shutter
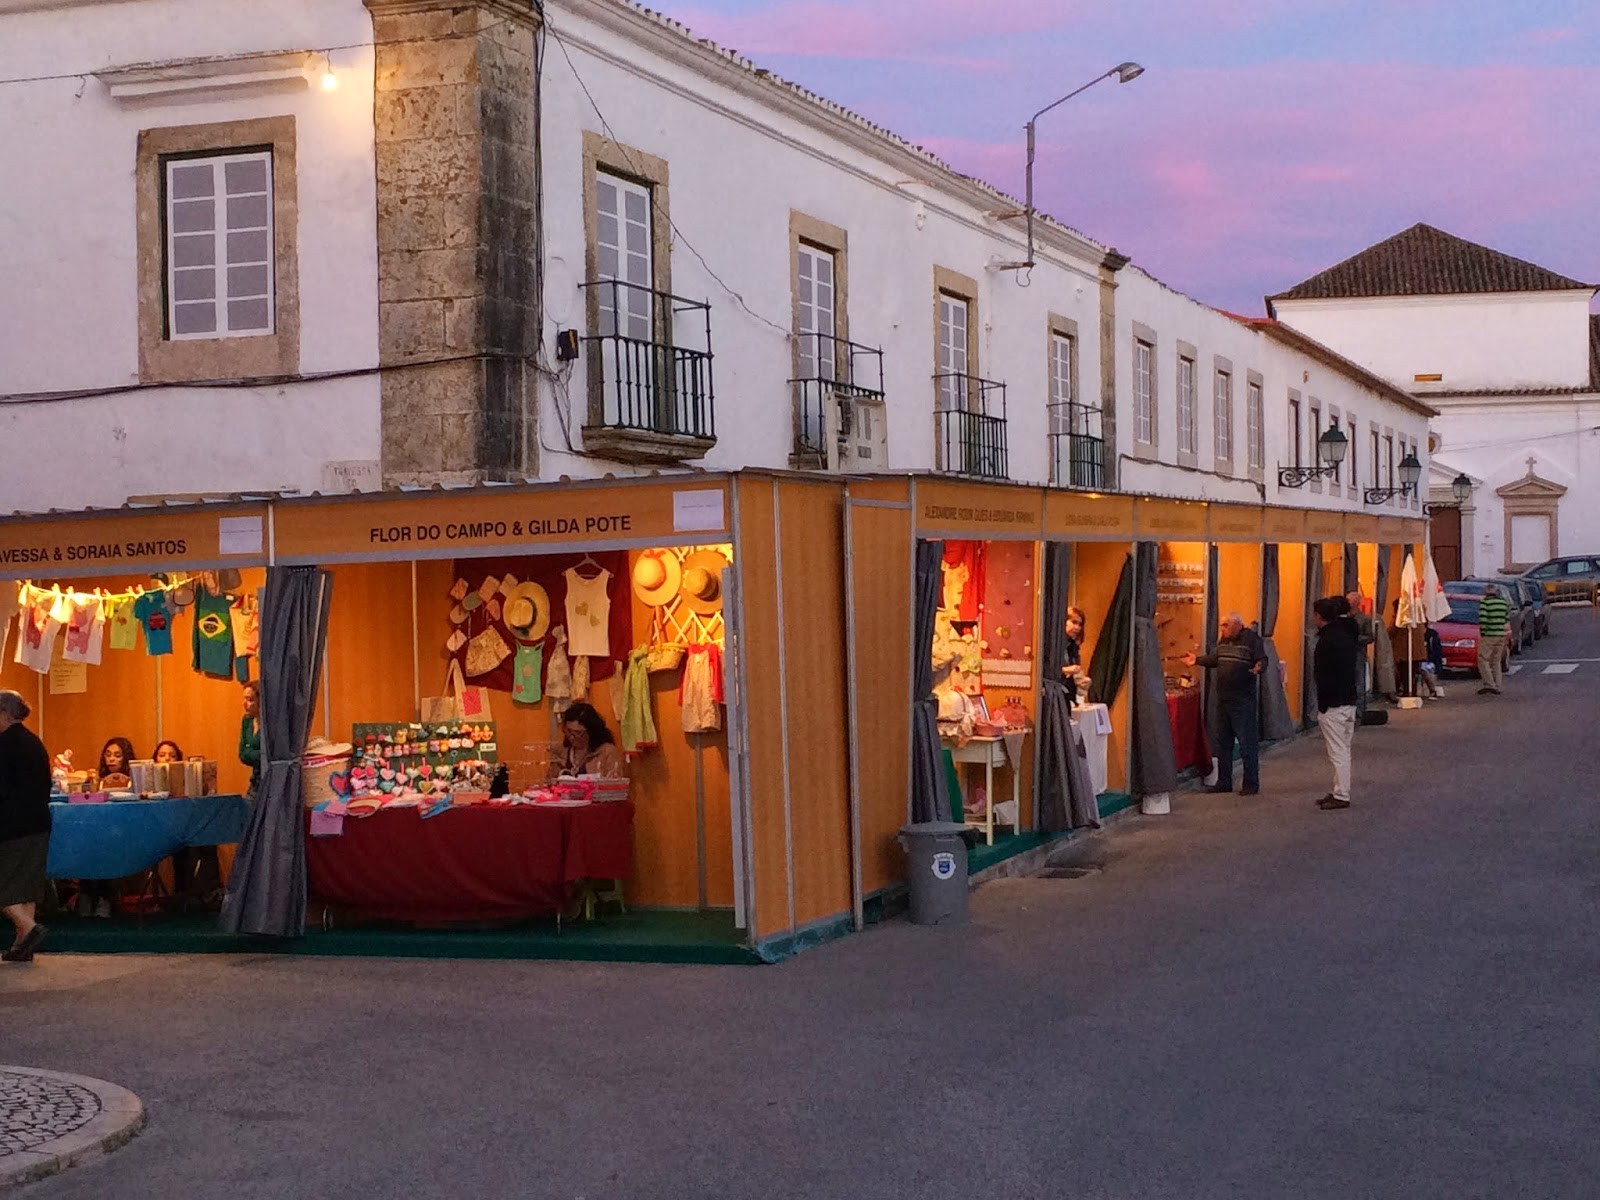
(220, 246)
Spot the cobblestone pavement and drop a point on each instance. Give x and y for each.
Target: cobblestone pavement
(36, 1110)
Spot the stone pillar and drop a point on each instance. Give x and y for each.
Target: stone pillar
(1109, 266)
(454, 116)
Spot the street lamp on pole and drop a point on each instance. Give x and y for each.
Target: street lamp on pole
(1123, 73)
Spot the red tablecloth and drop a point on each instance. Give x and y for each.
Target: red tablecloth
(1189, 742)
(469, 864)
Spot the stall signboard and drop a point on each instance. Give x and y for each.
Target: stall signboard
(134, 542)
(1283, 525)
(1362, 528)
(1085, 517)
(1391, 532)
(506, 520)
(1411, 530)
(1172, 521)
(1324, 526)
(1235, 523)
(975, 510)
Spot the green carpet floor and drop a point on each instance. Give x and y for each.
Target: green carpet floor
(659, 937)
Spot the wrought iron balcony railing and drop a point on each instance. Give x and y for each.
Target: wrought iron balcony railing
(1078, 445)
(831, 372)
(652, 358)
(969, 426)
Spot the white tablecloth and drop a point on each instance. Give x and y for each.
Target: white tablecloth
(1093, 721)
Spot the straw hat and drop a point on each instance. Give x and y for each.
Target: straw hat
(527, 612)
(702, 581)
(657, 577)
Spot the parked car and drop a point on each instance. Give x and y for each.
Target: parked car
(1458, 633)
(1519, 623)
(1574, 577)
(1535, 598)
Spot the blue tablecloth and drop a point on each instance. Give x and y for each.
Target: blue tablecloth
(108, 841)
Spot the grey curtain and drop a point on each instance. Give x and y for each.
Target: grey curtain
(1277, 722)
(1380, 592)
(1308, 634)
(267, 888)
(1352, 569)
(1155, 768)
(1384, 674)
(1109, 663)
(1066, 797)
(928, 797)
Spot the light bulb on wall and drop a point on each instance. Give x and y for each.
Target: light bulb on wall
(330, 81)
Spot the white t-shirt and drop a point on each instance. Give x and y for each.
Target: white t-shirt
(588, 615)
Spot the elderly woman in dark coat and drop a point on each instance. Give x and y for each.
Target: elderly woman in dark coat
(24, 824)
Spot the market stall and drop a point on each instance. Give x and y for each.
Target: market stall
(1179, 532)
(132, 634)
(455, 655)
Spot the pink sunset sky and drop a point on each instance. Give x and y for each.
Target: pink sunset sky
(1267, 139)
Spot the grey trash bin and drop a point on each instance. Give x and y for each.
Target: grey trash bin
(936, 872)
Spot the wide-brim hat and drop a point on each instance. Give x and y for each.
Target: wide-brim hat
(527, 612)
(657, 577)
(702, 581)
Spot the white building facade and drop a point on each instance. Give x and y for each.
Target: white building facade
(1509, 354)
(228, 176)
(300, 245)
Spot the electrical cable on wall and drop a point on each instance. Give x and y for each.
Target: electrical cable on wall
(662, 213)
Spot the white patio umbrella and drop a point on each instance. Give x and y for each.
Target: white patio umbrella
(1412, 612)
(1434, 604)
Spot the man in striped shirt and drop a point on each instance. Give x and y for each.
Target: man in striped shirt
(1493, 616)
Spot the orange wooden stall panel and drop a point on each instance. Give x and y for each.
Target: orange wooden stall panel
(811, 533)
(881, 573)
(758, 581)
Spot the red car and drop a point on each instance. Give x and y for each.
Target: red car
(1459, 633)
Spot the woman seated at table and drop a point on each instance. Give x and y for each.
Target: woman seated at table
(588, 747)
(1077, 676)
(115, 771)
(187, 861)
(167, 753)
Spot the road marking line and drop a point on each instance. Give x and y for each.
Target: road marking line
(1561, 669)
(1513, 668)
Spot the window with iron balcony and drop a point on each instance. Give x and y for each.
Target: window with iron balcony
(651, 391)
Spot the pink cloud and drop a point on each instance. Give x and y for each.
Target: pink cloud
(1217, 185)
(1552, 36)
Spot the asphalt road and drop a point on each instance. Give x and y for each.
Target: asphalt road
(1250, 998)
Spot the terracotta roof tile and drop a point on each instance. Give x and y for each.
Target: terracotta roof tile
(1424, 261)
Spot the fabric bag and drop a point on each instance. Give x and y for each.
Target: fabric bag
(460, 702)
(485, 652)
(663, 655)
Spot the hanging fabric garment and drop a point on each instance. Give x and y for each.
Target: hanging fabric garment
(700, 693)
(530, 664)
(246, 635)
(965, 564)
(213, 634)
(588, 614)
(10, 605)
(42, 615)
(122, 625)
(152, 612)
(558, 679)
(580, 677)
(85, 630)
(638, 723)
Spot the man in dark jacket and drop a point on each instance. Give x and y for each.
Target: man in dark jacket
(24, 824)
(1335, 667)
(1238, 659)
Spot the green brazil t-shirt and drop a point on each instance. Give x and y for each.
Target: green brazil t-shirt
(213, 634)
